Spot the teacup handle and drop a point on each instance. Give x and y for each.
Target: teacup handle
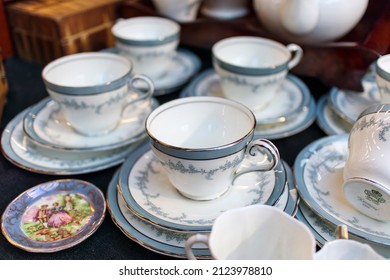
(296, 55)
(196, 238)
(143, 94)
(253, 150)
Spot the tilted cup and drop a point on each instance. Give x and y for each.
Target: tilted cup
(383, 77)
(93, 89)
(366, 171)
(343, 248)
(149, 42)
(182, 11)
(251, 69)
(256, 232)
(201, 142)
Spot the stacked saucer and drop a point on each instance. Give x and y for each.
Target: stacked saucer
(184, 65)
(292, 111)
(149, 210)
(318, 172)
(339, 109)
(40, 140)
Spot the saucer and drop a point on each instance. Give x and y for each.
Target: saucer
(318, 171)
(24, 224)
(185, 64)
(148, 194)
(147, 235)
(288, 201)
(324, 232)
(46, 125)
(328, 121)
(18, 149)
(292, 97)
(349, 104)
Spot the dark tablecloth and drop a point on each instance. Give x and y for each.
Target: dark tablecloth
(108, 242)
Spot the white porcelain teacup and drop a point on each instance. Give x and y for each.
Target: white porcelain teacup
(201, 142)
(182, 11)
(251, 69)
(383, 77)
(150, 42)
(256, 232)
(366, 171)
(93, 89)
(346, 249)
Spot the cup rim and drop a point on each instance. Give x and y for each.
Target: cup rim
(379, 69)
(206, 152)
(378, 108)
(251, 71)
(172, 36)
(86, 90)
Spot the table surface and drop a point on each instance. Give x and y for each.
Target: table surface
(108, 242)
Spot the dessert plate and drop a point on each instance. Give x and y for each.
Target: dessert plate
(318, 171)
(328, 121)
(292, 97)
(185, 64)
(46, 125)
(148, 194)
(348, 104)
(53, 216)
(156, 239)
(325, 232)
(19, 150)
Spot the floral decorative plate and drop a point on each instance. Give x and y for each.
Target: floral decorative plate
(148, 193)
(318, 171)
(53, 216)
(18, 149)
(45, 125)
(324, 232)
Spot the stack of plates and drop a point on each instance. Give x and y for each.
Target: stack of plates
(338, 110)
(318, 171)
(292, 111)
(147, 208)
(40, 140)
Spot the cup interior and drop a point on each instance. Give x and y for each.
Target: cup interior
(250, 52)
(86, 70)
(146, 29)
(199, 123)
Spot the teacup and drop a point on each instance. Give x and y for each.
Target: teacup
(93, 89)
(347, 249)
(383, 77)
(343, 248)
(150, 43)
(201, 142)
(251, 69)
(366, 173)
(182, 11)
(256, 232)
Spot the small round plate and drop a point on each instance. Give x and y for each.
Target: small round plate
(54, 216)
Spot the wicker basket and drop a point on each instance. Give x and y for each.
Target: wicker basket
(43, 30)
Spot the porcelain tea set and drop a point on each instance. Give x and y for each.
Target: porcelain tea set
(208, 183)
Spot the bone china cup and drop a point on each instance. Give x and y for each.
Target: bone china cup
(93, 89)
(383, 77)
(182, 11)
(366, 171)
(201, 142)
(251, 69)
(150, 43)
(256, 232)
